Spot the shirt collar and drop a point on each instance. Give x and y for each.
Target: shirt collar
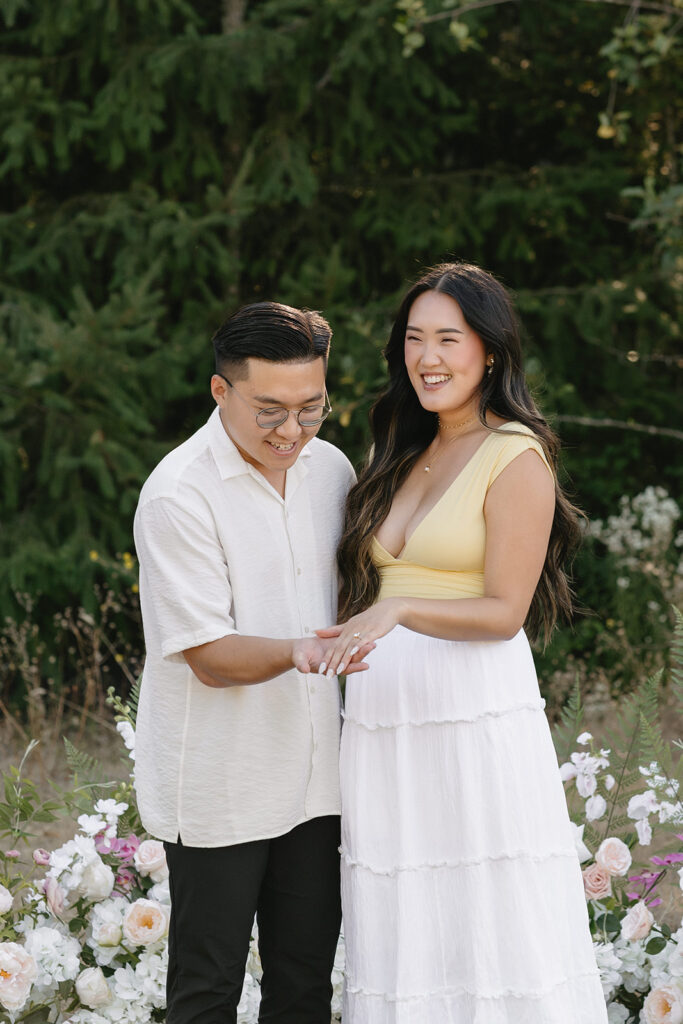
(231, 463)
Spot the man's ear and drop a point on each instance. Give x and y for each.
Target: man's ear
(219, 389)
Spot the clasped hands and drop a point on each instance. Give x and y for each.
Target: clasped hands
(343, 648)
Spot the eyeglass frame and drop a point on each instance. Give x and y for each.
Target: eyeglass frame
(326, 407)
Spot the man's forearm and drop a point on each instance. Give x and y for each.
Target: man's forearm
(240, 660)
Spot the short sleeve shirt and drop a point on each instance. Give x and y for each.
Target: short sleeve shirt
(221, 552)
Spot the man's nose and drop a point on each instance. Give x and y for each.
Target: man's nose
(291, 428)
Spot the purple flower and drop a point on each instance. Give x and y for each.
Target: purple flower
(671, 858)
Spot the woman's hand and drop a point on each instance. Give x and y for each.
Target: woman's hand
(308, 653)
(351, 637)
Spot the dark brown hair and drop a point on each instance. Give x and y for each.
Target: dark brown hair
(272, 331)
(402, 429)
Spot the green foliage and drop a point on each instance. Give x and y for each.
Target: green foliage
(160, 167)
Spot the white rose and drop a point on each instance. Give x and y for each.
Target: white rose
(614, 856)
(637, 923)
(97, 881)
(17, 972)
(617, 1014)
(5, 900)
(144, 922)
(664, 1005)
(150, 859)
(92, 988)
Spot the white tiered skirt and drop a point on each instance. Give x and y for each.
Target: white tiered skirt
(462, 894)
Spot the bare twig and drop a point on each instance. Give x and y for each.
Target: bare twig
(640, 428)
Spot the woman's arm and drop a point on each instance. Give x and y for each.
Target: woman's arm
(518, 511)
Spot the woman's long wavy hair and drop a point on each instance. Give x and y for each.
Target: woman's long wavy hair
(402, 429)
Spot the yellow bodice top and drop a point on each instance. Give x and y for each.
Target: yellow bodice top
(444, 555)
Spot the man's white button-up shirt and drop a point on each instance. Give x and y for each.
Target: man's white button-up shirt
(220, 553)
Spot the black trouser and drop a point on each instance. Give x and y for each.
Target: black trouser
(291, 883)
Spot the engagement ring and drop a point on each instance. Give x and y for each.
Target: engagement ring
(357, 636)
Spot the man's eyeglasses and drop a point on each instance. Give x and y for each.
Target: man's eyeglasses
(308, 416)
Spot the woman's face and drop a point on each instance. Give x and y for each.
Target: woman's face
(445, 358)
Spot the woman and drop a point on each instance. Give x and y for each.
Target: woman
(462, 893)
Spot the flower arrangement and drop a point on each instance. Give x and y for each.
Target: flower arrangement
(628, 829)
(83, 930)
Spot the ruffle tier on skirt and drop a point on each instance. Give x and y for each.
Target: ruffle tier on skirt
(462, 893)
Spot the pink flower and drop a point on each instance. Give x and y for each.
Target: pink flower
(12, 854)
(125, 879)
(17, 973)
(41, 857)
(637, 923)
(613, 856)
(597, 882)
(55, 896)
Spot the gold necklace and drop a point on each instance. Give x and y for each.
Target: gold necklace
(442, 447)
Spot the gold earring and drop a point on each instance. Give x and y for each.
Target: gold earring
(488, 372)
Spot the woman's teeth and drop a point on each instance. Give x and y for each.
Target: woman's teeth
(435, 378)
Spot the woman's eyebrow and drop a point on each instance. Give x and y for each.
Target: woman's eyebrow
(441, 330)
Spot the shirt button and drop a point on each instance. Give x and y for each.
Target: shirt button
(298, 572)
(312, 688)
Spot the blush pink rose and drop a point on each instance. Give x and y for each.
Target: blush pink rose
(41, 857)
(664, 1005)
(144, 922)
(597, 882)
(17, 973)
(637, 923)
(150, 859)
(613, 856)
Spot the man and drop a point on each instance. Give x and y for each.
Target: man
(237, 736)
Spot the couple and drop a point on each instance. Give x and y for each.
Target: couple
(461, 889)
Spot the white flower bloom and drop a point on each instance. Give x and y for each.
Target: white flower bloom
(641, 805)
(56, 956)
(92, 824)
(106, 929)
(127, 734)
(567, 771)
(610, 782)
(635, 965)
(161, 892)
(586, 784)
(584, 738)
(609, 966)
(110, 808)
(68, 863)
(644, 831)
(664, 1005)
(637, 922)
(5, 900)
(17, 972)
(614, 856)
(581, 849)
(97, 881)
(92, 988)
(595, 808)
(617, 1014)
(150, 859)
